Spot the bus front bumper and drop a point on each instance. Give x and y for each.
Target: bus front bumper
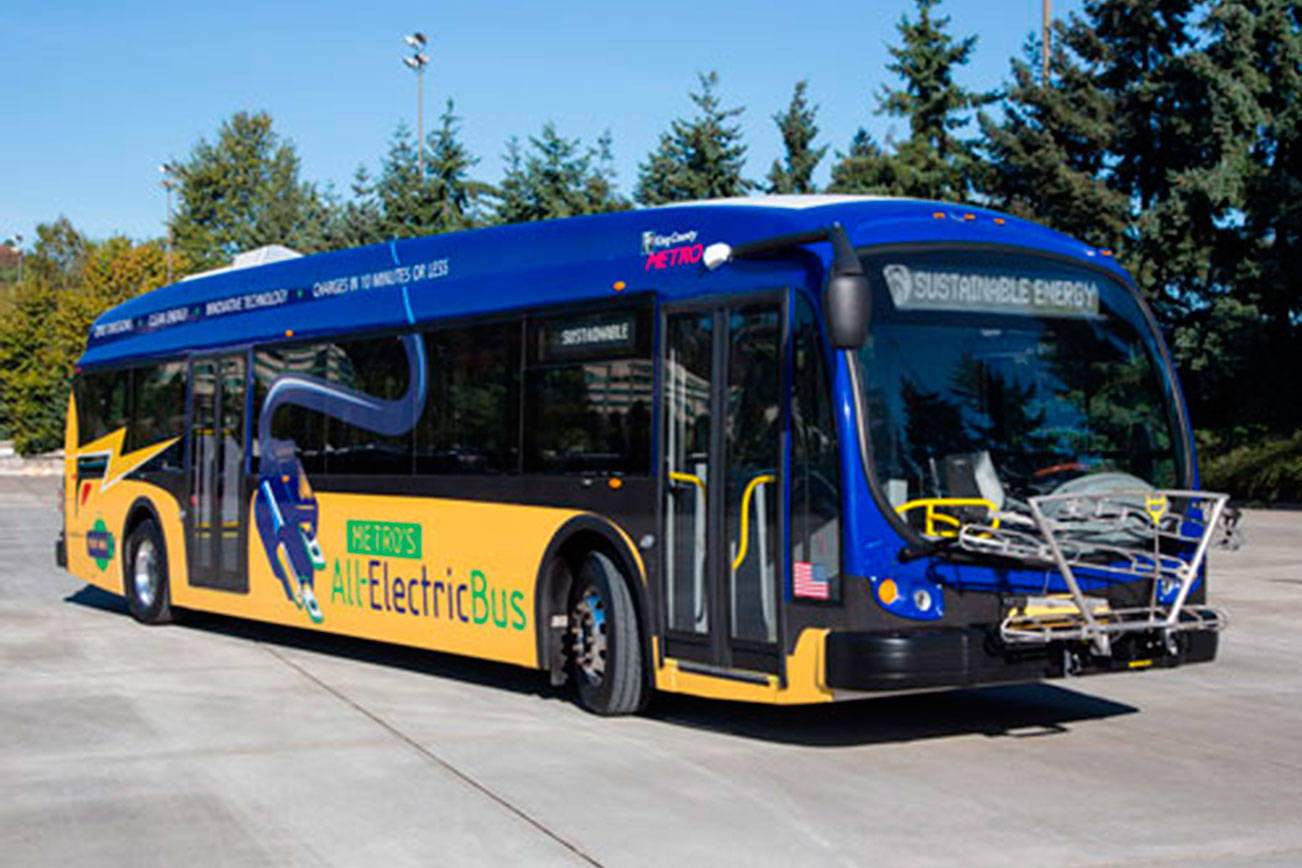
(967, 656)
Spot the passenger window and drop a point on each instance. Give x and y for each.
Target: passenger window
(471, 422)
(376, 368)
(159, 411)
(306, 428)
(102, 400)
(588, 393)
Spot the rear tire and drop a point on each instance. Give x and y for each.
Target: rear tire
(604, 640)
(144, 575)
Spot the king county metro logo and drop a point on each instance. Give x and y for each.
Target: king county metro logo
(99, 544)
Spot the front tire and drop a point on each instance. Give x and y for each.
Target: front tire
(145, 575)
(605, 642)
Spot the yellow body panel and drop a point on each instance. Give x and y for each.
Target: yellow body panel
(805, 678)
(463, 583)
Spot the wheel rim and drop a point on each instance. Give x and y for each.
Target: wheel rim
(145, 573)
(588, 635)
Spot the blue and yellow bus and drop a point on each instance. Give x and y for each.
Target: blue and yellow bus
(784, 449)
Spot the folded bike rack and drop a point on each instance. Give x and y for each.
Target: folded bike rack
(1105, 538)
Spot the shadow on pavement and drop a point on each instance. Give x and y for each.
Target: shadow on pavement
(452, 666)
(1005, 711)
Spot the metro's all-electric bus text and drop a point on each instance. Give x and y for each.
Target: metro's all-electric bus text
(781, 450)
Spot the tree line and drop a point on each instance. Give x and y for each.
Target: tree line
(1169, 131)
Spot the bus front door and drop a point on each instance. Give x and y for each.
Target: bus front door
(722, 386)
(217, 445)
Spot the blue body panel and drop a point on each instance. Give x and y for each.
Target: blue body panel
(396, 284)
(525, 265)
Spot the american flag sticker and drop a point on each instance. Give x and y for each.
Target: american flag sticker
(810, 581)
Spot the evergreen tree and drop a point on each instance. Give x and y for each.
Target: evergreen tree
(794, 173)
(867, 168)
(243, 191)
(933, 162)
(556, 178)
(1231, 220)
(448, 175)
(445, 200)
(700, 158)
(1046, 157)
(358, 220)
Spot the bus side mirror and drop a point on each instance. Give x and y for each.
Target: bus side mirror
(847, 298)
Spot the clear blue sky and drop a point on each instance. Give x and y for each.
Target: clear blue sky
(96, 95)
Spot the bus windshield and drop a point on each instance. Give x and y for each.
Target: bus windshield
(996, 376)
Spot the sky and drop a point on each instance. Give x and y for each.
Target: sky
(97, 95)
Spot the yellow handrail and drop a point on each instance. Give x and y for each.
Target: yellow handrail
(930, 517)
(745, 516)
(677, 476)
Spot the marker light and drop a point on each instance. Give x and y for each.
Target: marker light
(618, 286)
(289, 333)
(969, 216)
(887, 592)
(1106, 252)
(939, 215)
(615, 483)
(1000, 221)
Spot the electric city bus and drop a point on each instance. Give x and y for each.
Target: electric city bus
(784, 449)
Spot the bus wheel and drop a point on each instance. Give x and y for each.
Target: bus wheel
(146, 575)
(605, 646)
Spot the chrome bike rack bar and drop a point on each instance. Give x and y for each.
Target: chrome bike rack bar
(1110, 537)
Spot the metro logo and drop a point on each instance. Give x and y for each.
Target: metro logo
(675, 256)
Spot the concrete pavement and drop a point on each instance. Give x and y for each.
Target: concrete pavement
(223, 742)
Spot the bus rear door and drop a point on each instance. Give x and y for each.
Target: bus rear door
(217, 448)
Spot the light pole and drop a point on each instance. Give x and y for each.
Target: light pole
(1045, 17)
(417, 62)
(18, 238)
(169, 182)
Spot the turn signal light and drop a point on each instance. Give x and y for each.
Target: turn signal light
(888, 592)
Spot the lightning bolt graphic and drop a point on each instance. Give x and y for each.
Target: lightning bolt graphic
(119, 464)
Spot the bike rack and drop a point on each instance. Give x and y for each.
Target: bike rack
(1109, 537)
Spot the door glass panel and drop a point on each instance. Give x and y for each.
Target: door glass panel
(687, 378)
(815, 490)
(231, 462)
(752, 434)
(204, 385)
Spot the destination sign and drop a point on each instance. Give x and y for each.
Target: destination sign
(990, 291)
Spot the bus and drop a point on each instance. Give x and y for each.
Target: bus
(774, 449)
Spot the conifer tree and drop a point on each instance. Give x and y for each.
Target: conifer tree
(794, 173)
(701, 158)
(243, 191)
(867, 168)
(1046, 157)
(447, 199)
(933, 162)
(557, 177)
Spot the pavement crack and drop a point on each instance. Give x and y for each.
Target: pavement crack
(430, 755)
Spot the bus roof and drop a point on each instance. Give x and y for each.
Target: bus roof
(481, 271)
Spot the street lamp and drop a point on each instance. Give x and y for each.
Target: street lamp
(417, 63)
(169, 183)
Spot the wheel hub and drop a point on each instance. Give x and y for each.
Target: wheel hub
(145, 572)
(588, 635)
